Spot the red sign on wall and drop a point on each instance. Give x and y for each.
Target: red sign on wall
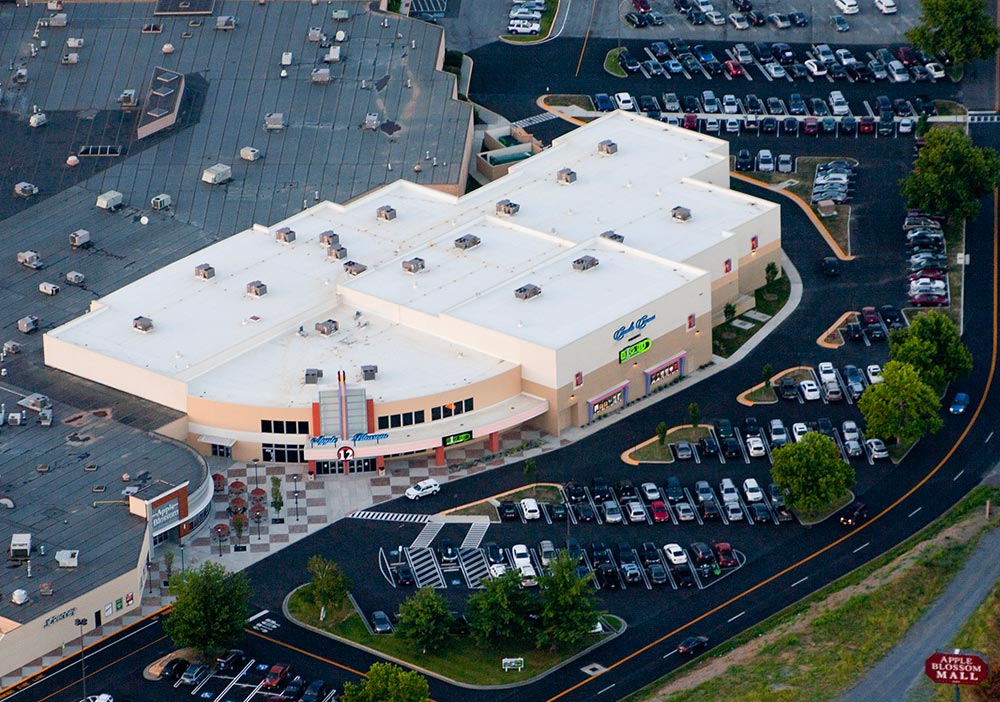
(957, 667)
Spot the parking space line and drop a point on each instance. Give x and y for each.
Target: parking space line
(958, 475)
(800, 581)
(733, 619)
(914, 511)
(861, 547)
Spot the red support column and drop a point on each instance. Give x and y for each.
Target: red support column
(439, 456)
(494, 442)
(380, 464)
(311, 468)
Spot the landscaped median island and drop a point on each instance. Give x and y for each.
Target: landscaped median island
(545, 493)
(611, 64)
(658, 449)
(737, 329)
(817, 648)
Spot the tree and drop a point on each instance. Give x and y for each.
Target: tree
(729, 311)
(424, 619)
(963, 29)
(770, 273)
(211, 608)
(386, 681)
(661, 432)
(569, 609)
(694, 414)
(530, 468)
(330, 584)
(239, 522)
(277, 500)
(766, 372)
(950, 174)
(932, 345)
(904, 406)
(812, 471)
(499, 612)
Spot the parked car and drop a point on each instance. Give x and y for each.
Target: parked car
(424, 488)
(507, 511)
(752, 490)
(612, 513)
(724, 555)
(683, 450)
(877, 448)
(195, 674)
(809, 390)
(276, 676)
(316, 692)
(874, 372)
(675, 554)
(174, 669)
(603, 102)
(659, 512)
(959, 403)
(232, 660)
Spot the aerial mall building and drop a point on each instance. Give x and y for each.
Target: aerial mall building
(411, 321)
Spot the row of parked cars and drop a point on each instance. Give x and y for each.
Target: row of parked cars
(278, 680)
(927, 280)
(833, 181)
(526, 17)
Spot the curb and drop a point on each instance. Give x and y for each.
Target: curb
(841, 321)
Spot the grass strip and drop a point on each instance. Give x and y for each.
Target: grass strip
(844, 641)
(611, 64)
(460, 657)
(727, 339)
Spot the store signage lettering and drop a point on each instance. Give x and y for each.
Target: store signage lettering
(59, 617)
(637, 325)
(165, 513)
(334, 440)
(609, 401)
(639, 347)
(456, 438)
(665, 372)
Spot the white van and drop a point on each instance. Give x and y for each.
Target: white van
(848, 7)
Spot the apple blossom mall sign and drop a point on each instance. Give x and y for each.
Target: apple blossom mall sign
(957, 667)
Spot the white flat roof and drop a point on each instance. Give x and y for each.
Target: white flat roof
(233, 347)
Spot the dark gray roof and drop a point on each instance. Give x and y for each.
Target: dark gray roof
(323, 150)
(60, 509)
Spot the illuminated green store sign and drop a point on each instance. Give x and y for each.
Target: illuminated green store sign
(636, 349)
(456, 438)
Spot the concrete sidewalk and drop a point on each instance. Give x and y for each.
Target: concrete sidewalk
(900, 675)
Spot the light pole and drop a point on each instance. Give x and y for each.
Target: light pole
(83, 660)
(256, 481)
(295, 479)
(149, 577)
(218, 533)
(182, 556)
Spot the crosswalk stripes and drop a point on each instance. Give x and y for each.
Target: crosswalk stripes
(475, 536)
(424, 565)
(981, 117)
(426, 535)
(535, 119)
(391, 516)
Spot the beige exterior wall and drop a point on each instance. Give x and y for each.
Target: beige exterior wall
(484, 394)
(114, 373)
(26, 644)
(752, 267)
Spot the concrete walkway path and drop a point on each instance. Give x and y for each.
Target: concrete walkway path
(899, 675)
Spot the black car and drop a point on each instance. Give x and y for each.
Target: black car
(724, 429)
(743, 5)
(585, 512)
(782, 53)
(625, 554)
(759, 511)
(769, 125)
(574, 550)
(797, 70)
(790, 125)
(799, 19)
(557, 512)
(692, 644)
(404, 575)
(575, 493)
(650, 553)
(744, 161)
(701, 554)
(627, 62)
(708, 446)
(848, 125)
(599, 553)
(636, 20)
(600, 489)
(901, 107)
(709, 510)
(731, 448)
(683, 577)
(860, 73)
(761, 51)
(854, 332)
(660, 50)
(316, 691)
(788, 388)
(756, 18)
(689, 103)
(232, 660)
(825, 427)
(294, 689)
(891, 316)
(493, 553)
(675, 492)
(627, 491)
(796, 105)
(875, 332)
(678, 45)
(507, 512)
(830, 267)
(775, 106)
(750, 426)
(447, 551)
(174, 669)
(607, 577)
(657, 574)
(696, 17)
(715, 67)
(683, 6)
(855, 514)
(836, 71)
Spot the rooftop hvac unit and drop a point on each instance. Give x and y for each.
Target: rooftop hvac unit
(372, 120)
(607, 147)
(315, 34)
(566, 175)
(111, 200)
(204, 271)
(369, 372)
(585, 263)
(11, 347)
(75, 278)
(681, 214)
(285, 235)
(355, 268)
(386, 212)
(467, 241)
(143, 324)
(28, 324)
(226, 22)
(329, 238)
(610, 234)
(526, 292)
(413, 265)
(161, 202)
(274, 121)
(67, 558)
(327, 327)
(256, 289)
(20, 546)
(507, 208)
(313, 375)
(19, 596)
(79, 239)
(127, 98)
(337, 251)
(218, 174)
(250, 153)
(320, 76)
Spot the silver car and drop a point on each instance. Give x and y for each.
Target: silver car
(612, 513)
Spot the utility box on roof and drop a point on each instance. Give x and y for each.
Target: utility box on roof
(48, 289)
(30, 259)
(249, 153)
(217, 174)
(79, 239)
(75, 278)
(161, 202)
(58, 20)
(320, 76)
(274, 121)
(225, 22)
(332, 55)
(28, 324)
(111, 200)
(286, 58)
(20, 546)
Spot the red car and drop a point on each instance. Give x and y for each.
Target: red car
(641, 5)
(869, 315)
(929, 300)
(690, 122)
(659, 511)
(276, 676)
(733, 68)
(725, 556)
(933, 275)
(906, 56)
(810, 126)
(866, 125)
